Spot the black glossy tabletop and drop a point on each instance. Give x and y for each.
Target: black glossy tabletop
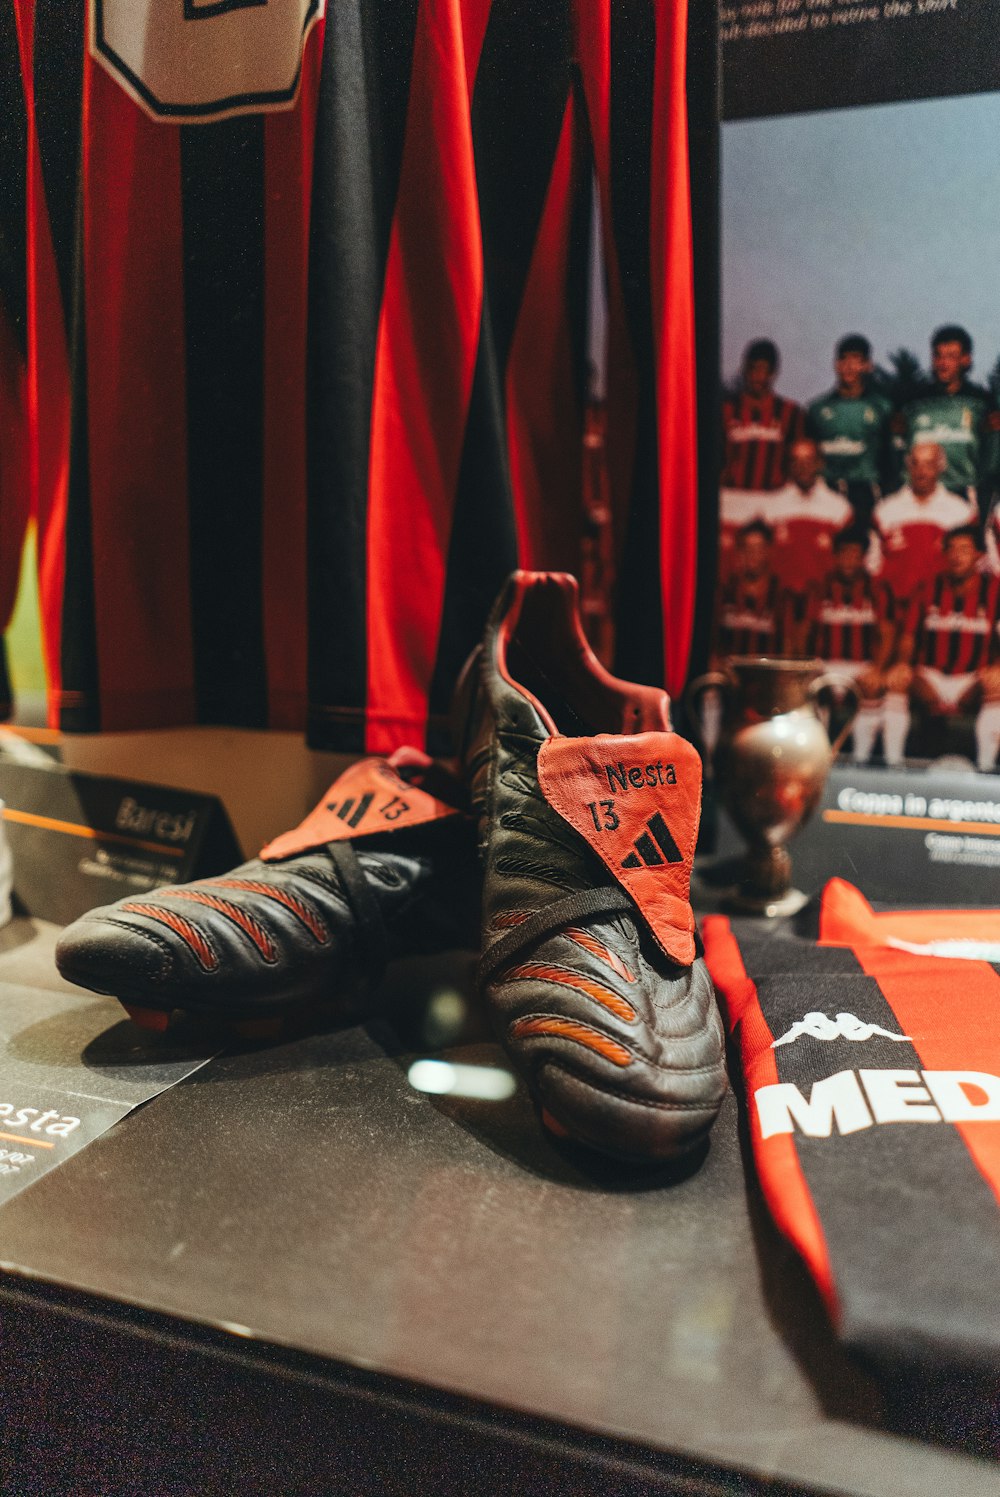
(308, 1195)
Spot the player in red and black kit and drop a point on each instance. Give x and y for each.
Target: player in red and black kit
(758, 430)
(849, 624)
(752, 616)
(759, 426)
(950, 642)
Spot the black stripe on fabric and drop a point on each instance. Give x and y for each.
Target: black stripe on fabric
(361, 120)
(768, 949)
(956, 638)
(703, 109)
(911, 1225)
(518, 103)
(222, 193)
(482, 549)
(981, 642)
(80, 710)
(577, 289)
(13, 166)
(639, 602)
(59, 43)
(59, 46)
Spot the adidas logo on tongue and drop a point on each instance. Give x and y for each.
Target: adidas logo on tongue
(654, 847)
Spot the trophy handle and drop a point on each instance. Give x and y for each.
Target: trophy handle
(692, 695)
(835, 678)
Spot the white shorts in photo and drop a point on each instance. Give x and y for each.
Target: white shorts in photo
(947, 689)
(853, 669)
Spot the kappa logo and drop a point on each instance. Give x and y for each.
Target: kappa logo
(654, 847)
(844, 1027)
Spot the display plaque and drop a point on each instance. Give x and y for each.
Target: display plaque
(905, 837)
(81, 840)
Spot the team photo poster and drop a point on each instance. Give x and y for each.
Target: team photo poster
(860, 487)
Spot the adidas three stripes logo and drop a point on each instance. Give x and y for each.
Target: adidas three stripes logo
(348, 806)
(654, 847)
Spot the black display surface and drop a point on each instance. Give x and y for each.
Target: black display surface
(295, 1272)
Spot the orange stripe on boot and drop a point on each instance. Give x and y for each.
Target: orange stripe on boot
(603, 953)
(181, 927)
(313, 924)
(545, 1026)
(540, 972)
(250, 927)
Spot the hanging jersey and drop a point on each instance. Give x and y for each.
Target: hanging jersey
(852, 435)
(955, 627)
(170, 171)
(804, 526)
(757, 436)
(308, 357)
(753, 617)
(906, 545)
(846, 619)
(964, 425)
(632, 66)
(872, 1084)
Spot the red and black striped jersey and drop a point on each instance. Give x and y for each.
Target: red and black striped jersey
(871, 1075)
(955, 626)
(309, 303)
(845, 619)
(169, 186)
(753, 617)
(757, 435)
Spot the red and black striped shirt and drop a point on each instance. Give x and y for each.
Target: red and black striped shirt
(872, 1102)
(845, 618)
(758, 435)
(955, 627)
(309, 302)
(753, 617)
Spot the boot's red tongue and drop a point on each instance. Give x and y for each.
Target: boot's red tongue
(368, 797)
(637, 802)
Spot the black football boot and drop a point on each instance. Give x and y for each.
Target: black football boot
(384, 866)
(588, 808)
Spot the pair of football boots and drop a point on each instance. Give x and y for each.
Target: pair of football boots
(585, 808)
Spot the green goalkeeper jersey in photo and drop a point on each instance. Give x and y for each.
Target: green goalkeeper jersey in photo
(963, 425)
(852, 434)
